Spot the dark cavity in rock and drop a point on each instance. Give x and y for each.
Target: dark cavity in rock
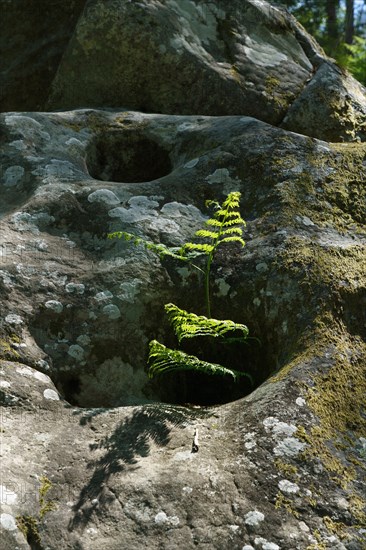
(126, 157)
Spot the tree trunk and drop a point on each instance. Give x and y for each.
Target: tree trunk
(332, 23)
(349, 28)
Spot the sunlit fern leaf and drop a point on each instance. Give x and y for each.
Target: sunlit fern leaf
(160, 249)
(232, 240)
(163, 360)
(206, 233)
(190, 325)
(204, 248)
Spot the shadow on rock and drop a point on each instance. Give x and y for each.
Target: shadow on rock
(131, 439)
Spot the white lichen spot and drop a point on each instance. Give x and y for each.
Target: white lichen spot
(74, 142)
(104, 196)
(13, 319)
(75, 288)
(223, 287)
(262, 267)
(76, 351)
(7, 522)
(220, 175)
(13, 175)
(51, 394)
(265, 545)
(18, 144)
(56, 306)
(253, 518)
(42, 364)
(83, 340)
(164, 225)
(187, 490)
(250, 442)
(129, 290)
(112, 311)
(7, 496)
(162, 519)
(41, 377)
(278, 428)
(300, 402)
(4, 384)
(141, 208)
(103, 296)
(247, 547)
(288, 487)
(192, 163)
(256, 302)
(282, 428)
(290, 447)
(56, 169)
(178, 210)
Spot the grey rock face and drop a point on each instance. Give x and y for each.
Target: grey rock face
(81, 308)
(331, 107)
(93, 454)
(34, 35)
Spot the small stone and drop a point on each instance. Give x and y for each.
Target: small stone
(7, 522)
(76, 351)
(112, 311)
(104, 196)
(288, 487)
(56, 306)
(51, 394)
(75, 288)
(290, 446)
(253, 518)
(13, 319)
(300, 402)
(261, 267)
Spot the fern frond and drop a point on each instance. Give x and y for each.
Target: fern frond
(204, 248)
(190, 325)
(232, 200)
(231, 230)
(234, 221)
(209, 203)
(213, 222)
(160, 249)
(163, 360)
(232, 240)
(207, 234)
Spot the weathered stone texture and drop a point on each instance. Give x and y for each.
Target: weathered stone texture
(93, 454)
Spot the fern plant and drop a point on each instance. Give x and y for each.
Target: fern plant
(190, 325)
(225, 226)
(163, 360)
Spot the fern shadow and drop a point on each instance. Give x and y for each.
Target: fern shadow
(130, 440)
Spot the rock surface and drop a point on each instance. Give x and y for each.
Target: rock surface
(34, 35)
(81, 308)
(236, 57)
(93, 454)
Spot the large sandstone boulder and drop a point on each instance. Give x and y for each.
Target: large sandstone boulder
(93, 453)
(280, 468)
(34, 35)
(231, 57)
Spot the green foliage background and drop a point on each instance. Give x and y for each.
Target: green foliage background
(340, 28)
